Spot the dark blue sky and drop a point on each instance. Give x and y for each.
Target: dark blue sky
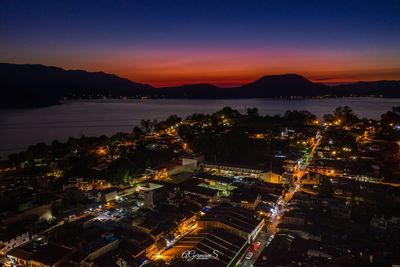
(225, 42)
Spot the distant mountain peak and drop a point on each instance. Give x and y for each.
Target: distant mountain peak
(290, 77)
(286, 75)
(32, 85)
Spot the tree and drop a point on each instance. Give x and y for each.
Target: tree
(122, 176)
(199, 117)
(328, 117)
(299, 118)
(345, 114)
(172, 120)
(146, 126)
(228, 112)
(391, 118)
(253, 112)
(137, 132)
(390, 125)
(72, 198)
(154, 126)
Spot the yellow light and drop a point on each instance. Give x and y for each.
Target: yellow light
(101, 151)
(337, 122)
(185, 146)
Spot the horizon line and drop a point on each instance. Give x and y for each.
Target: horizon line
(217, 84)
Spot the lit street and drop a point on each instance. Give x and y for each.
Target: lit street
(270, 229)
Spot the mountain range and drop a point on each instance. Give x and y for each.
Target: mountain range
(24, 85)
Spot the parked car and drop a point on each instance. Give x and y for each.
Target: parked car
(249, 255)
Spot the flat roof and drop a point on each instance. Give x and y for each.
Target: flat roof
(236, 217)
(241, 194)
(233, 165)
(50, 254)
(209, 176)
(225, 244)
(200, 190)
(20, 254)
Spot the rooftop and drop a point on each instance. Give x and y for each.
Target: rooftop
(48, 254)
(239, 218)
(199, 190)
(233, 165)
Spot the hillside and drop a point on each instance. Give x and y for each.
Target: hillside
(37, 85)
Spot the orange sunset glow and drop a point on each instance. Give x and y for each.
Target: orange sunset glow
(232, 67)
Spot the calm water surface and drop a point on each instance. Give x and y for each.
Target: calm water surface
(21, 128)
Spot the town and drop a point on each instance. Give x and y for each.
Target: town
(221, 189)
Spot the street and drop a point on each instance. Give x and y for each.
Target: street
(270, 229)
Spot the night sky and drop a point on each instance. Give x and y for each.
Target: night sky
(221, 42)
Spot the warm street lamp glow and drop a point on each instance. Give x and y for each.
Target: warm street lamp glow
(101, 151)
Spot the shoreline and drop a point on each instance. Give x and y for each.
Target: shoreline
(131, 99)
(94, 117)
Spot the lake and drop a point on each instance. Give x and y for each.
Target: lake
(21, 128)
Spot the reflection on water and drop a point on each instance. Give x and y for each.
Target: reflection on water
(21, 128)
